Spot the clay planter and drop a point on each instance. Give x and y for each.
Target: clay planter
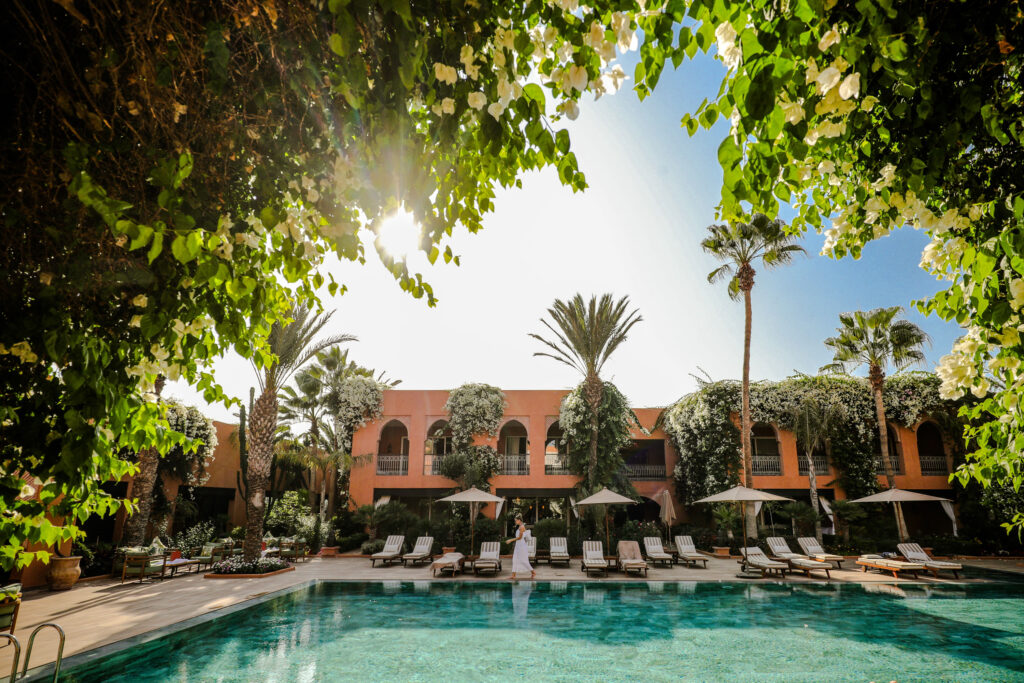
(329, 551)
(721, 551)
(63, 572)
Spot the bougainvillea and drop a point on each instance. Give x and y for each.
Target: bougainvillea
(616, 420)
(706, 437)
(474, 409)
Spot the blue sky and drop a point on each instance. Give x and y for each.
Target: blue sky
(635, 231)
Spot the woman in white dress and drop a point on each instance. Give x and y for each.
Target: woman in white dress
(521, 554)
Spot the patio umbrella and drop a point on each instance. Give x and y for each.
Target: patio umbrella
(741, 495)
(474, 497)
(668, 511)
(606, 497)
(898, 496)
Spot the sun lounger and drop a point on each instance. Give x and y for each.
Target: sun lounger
(884, 564)
(10, 604)
(449, 562)
(630, 559)
(810, 545)
(559, 550)
(531, 547)
(422, 552)
(142, 564)
(687, 552)
(755, 557)
(655, 552)
(780, 551)
(915, 553)
(392, 551)
(593, 557)
(490, 559)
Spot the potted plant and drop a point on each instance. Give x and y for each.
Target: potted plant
(63, 571)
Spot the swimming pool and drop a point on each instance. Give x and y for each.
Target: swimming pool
(433, 631)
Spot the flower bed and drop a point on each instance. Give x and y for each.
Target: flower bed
(238, 565)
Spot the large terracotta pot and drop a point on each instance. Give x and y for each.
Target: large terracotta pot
(63, 572)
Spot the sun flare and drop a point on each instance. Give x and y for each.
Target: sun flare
(399, 234)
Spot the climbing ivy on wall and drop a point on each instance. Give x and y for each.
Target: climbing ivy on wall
(473, 409)
(615, 423)
(708, 442)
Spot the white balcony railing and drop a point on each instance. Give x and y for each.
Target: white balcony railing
(766, 465)
(894, 462)
(645, 471)
(820, 465)
(932, 465)
(392, 464)
(560, 466)
(515, 464)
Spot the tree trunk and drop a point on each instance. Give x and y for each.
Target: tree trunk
(262, 425)
(593, 390)
(812, 478)
(746, 281)
(332, 488)
(142, 487)
(877, 378)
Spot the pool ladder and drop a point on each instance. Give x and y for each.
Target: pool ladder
(28, 653)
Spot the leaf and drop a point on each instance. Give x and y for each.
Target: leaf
(897, 50)
(535, 93)
(760, 99)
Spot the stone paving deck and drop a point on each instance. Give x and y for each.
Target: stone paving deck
(103, 611)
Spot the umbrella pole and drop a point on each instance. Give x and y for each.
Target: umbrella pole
(743, 522)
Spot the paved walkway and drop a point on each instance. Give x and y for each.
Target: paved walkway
(103, 611)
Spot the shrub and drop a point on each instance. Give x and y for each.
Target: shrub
(192, 537)
(347, 523)
(371, 547)
(633, 530)
(238, 533)
(238, 565)
(545, 529)
(346, 543)
(396, 518)
(288, 514)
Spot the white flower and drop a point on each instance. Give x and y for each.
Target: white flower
(980, 389)
(568, 5)
(812, 72)
(595, 36)
(445, 74)
(477, 100)
(830, 38)
(868, 103)
(577, 77)
(625, 36)
(826, 166)
(136, 321)
(564, 51)
(850, 87)
(613, 78)
(496, 109)
(570, 108)
(448, 105)
(141, 300)
(1017, 293)
(436, 108)
(466, 55)
(504, 89)
(728, 51)
(794, 112)
(505, 38)
(607, 51)
(827, 79)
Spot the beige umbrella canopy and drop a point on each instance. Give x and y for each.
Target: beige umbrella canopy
(474, 497)
(741, 495)
(606, 497)
(897, 496)
(668, 510)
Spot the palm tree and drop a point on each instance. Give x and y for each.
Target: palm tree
(740, 245)
(812, 421)
(142, 486)
(585, 336)
(876, 339)
(293, 345)
(304, 403)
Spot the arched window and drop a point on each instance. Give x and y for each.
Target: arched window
(556, 460)
(513, 447)
(765, 449)
(437, 445)
(931, 450)
(393, 449)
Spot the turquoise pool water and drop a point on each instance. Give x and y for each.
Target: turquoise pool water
(430, 631)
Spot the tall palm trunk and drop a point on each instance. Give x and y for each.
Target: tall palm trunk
(877, 379)
(593, 390)
(262, 425)
(812, 478)
(746, 282)
(142, 487)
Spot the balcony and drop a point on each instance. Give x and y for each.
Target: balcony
(643, 471)
(766, 465)
(820, 465)
(432, 464)
(934, 465)
(393, 465)
(894, 461)
(515, 464)
(560, 466)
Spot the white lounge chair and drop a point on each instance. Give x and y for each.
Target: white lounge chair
(392, 551)
(593, 557)
(755, 557)
(884, 564)
(490, 559)
(450, 562)
(915, 553)
(655, 552)
(780, 550)
(422, 552)
(810, 545)
(531, 547)
(687, 552)
(558, 550)
(630, 559)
